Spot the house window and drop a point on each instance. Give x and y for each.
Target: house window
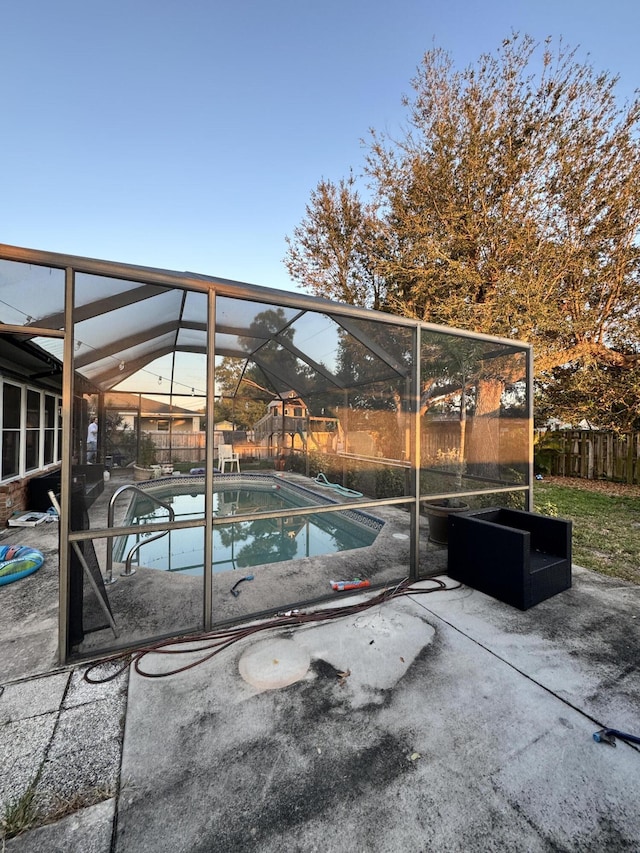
(49, 429)
(31, 429)
(297, 412)
(163, 425)
(11, 410)
(32, 433)
(59, 430)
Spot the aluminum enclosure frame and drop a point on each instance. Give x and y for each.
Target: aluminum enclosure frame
(150, 282)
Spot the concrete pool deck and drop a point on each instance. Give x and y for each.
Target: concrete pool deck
(154, 603)
(445, 722)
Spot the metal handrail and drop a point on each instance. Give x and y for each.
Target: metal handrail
(128, 571)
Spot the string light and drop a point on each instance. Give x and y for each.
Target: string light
(121, 366)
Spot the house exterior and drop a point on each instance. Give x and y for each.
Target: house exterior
(30, 422)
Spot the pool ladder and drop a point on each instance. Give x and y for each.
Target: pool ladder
(128, 571)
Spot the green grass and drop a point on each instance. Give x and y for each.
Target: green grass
(19, 815)
(606, 524)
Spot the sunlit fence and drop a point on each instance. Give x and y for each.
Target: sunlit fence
(190, 447)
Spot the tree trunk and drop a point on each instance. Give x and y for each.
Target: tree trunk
(483, 432)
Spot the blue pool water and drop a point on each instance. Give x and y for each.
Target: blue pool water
(247, 543)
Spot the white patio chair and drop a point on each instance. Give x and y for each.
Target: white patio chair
(227, 455)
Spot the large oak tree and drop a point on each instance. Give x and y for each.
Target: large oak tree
(509, 205)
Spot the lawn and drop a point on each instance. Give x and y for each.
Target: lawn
(606, 522)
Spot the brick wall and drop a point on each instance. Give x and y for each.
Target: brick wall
(14, 497)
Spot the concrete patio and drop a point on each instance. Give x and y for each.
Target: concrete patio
(445, 722)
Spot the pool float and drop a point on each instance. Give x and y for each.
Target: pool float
(18, 561)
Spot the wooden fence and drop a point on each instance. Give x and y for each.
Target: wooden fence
(590, 454)
(190, 447)
(178, 447)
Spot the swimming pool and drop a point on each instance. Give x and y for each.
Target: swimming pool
(242, 544)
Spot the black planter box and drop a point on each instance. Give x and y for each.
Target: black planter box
(518, 557)
(91, 477)
(39, 488)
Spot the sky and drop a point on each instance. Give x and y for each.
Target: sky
(189, 134)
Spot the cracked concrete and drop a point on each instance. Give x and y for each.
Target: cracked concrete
(447, 721)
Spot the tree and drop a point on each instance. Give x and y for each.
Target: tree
(511, 206)
(247, 388)
(332, 252)
(240, 401)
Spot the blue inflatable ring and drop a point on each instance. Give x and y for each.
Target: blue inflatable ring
(18, 561)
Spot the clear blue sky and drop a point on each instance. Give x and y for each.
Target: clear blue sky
(188, 134)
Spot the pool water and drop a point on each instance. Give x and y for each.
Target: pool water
(241, 544)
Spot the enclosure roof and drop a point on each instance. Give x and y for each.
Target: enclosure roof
(127, 317)
(22, 359)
